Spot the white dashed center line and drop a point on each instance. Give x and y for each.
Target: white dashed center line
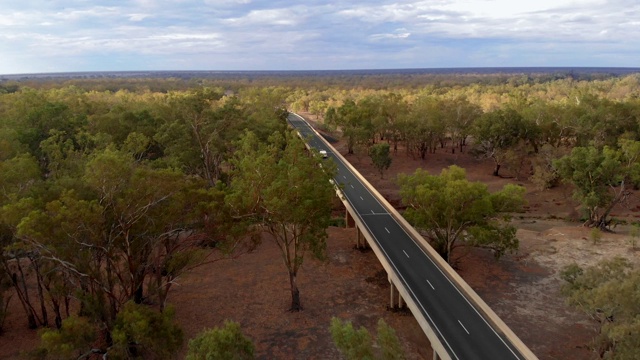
(388, 232)
(405, 253)
(465, 329)
(429, 282)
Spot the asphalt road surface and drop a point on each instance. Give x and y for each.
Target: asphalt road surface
(461, 329)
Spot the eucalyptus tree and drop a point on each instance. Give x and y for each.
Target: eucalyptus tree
(424, 126)
(283, 190)
(452, 211)
(380, 157)
(355, 344)
(226, 342)
(601, 121)
(264, 109)
(138, 332)
(198, 129)
(393, 108)
(459, 115)
(373, 121)
(602, 177)
(354, 120)
(19, 176)
(553, 123)
(35, 126)
(496, 132)
(117, 239)
(609, 294)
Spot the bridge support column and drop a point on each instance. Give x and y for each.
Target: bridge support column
(435, 355)
(361, 242)
(392, 289)
(348, 219)
(392, 296)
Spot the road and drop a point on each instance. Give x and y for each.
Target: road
(461, 328)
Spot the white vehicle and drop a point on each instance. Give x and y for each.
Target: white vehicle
(323, 153)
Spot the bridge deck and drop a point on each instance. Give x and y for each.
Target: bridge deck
(457, 323)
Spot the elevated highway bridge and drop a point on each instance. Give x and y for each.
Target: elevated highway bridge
(457, 322)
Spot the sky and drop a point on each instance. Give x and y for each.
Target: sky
(118, 35)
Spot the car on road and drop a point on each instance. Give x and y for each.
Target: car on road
(323, 153)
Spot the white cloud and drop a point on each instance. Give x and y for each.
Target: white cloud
(339, 34)
(280, 17)
(226, 2)
(94, 12)
(397, 35)
(138, 17)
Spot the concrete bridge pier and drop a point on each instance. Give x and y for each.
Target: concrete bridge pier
(435, 355)
(349, 222)
(361, 242)
(392, 289)
(392, 297)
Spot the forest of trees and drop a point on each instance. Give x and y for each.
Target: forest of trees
(107, 198)
(110, 189)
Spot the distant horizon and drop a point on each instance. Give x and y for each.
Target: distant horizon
(620, 70)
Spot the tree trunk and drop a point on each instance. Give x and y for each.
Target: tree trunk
(67, 300)
(535, 147)
(601, 221)
(39, 281)
(138, 295)
(449, 250)
(423, 150)
(56, 305)
(296, 305)
(496, 170)
(58, 316)
(23, 295)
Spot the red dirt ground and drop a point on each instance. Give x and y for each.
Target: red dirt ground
(523, 288)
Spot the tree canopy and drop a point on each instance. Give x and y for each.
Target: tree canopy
(286, 192)
(608, 292)
(221, 343)
(601, 177)
(380, 156)
(356, 344)
(111, 189)
(108, 198)
(452, 211)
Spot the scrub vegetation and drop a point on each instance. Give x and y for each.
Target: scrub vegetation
(112, 189)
